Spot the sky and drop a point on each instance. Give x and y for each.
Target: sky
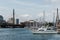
(29, 9)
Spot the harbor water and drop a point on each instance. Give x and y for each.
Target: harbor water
(24, 34)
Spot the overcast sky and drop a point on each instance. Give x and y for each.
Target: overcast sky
(29, 9)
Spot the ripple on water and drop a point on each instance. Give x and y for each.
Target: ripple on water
(25, 34)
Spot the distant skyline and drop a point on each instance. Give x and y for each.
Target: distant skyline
(29, 9)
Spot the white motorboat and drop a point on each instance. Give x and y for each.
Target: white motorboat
(44, 30)
(48, 31)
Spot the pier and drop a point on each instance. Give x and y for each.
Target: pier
(12, 26)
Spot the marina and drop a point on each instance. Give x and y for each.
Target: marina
(29, 19)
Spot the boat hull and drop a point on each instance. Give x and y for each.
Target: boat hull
(44, 32)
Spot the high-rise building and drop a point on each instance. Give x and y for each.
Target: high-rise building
(1, 17)
(13, 16)
(17, 21)
(2, 20)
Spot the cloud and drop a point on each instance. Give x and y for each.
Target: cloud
(25, 15)
(53, 1)
(29, 4)
(24, 3)
(40, 15)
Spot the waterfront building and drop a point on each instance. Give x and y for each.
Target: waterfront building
(10, 20)
(1, 17)
(17, 21)
(2, 20)
(31, 24)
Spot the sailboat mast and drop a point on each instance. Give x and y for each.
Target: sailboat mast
(44, 18)
(36, 23)
(53, 21)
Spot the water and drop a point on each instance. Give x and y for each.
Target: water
(24, 34)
